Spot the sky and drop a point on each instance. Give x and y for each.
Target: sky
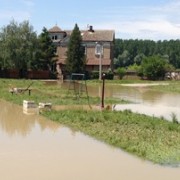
(131, 19)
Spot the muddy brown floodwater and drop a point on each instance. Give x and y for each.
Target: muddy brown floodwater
(34, 148)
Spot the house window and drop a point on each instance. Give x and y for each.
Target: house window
(54, 37)
(99, 49)
(85, 50)
(84, 47)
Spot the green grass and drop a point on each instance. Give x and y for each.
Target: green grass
(47, 93)
(147, 137)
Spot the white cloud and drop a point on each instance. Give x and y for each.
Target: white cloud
(19, 10)
(144, 22)
(28, 3)
(17, 15)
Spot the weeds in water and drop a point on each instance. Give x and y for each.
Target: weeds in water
(174, 118)
(162, 118)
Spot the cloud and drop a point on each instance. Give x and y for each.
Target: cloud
(28, 3)
(17, 15)
(19, 10)
(143, 22)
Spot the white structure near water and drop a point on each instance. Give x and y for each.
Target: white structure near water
(29, 104)
(29, 107)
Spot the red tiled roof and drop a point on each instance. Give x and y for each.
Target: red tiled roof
(89, 35)
(96, 35)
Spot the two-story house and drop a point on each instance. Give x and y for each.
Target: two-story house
(98, 44)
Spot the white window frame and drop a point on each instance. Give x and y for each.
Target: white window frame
(98, 49)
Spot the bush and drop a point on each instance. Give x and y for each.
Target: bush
(121, 72)
(94, 75)
(109, 75)
(154, 67)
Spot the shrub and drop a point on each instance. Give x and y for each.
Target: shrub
(109, 75)
(121, 72)
(94, 75)
(153, 67)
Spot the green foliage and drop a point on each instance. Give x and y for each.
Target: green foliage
(134, 67)
(123, 59)
(138, 58)
(153, 67)
(76, 60)
(109, 75)
(137, 49)
(94, 75)
(147, 137)
(121, 72)
(21, 49)
(174, 118)
(18, 45)
(46, 52)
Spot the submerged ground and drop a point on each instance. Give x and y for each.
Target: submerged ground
(148, 137)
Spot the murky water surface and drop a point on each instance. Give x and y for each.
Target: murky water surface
(34, 148)
(143, 99)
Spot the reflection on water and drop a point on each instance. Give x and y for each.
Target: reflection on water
(139, 95)
(34, 148)
(157, 111)
(14, 121)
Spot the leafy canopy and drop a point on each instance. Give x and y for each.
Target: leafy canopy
(154, 67)
(75, 61)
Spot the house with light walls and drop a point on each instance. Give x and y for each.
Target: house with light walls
(98, 44)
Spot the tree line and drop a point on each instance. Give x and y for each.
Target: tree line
(21, 48)
(129, 52)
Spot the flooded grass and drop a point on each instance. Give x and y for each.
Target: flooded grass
(42, 93)
(147, 137)
(174, 87)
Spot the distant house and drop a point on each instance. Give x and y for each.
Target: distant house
(98, 44)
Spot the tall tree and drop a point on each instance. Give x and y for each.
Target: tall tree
(46, 52)
(75, 61)
(17, 45)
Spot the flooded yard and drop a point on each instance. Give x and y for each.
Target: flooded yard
(143, 100)
(33, 147)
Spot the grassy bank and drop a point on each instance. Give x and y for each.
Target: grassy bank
(43, 92)
(147, 137)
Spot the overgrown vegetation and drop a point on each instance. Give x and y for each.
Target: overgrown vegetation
(129, 52)
(22, 49)
(55, 94)
(154, 68)
(147, 137)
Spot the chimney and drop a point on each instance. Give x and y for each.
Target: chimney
(91, 29)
